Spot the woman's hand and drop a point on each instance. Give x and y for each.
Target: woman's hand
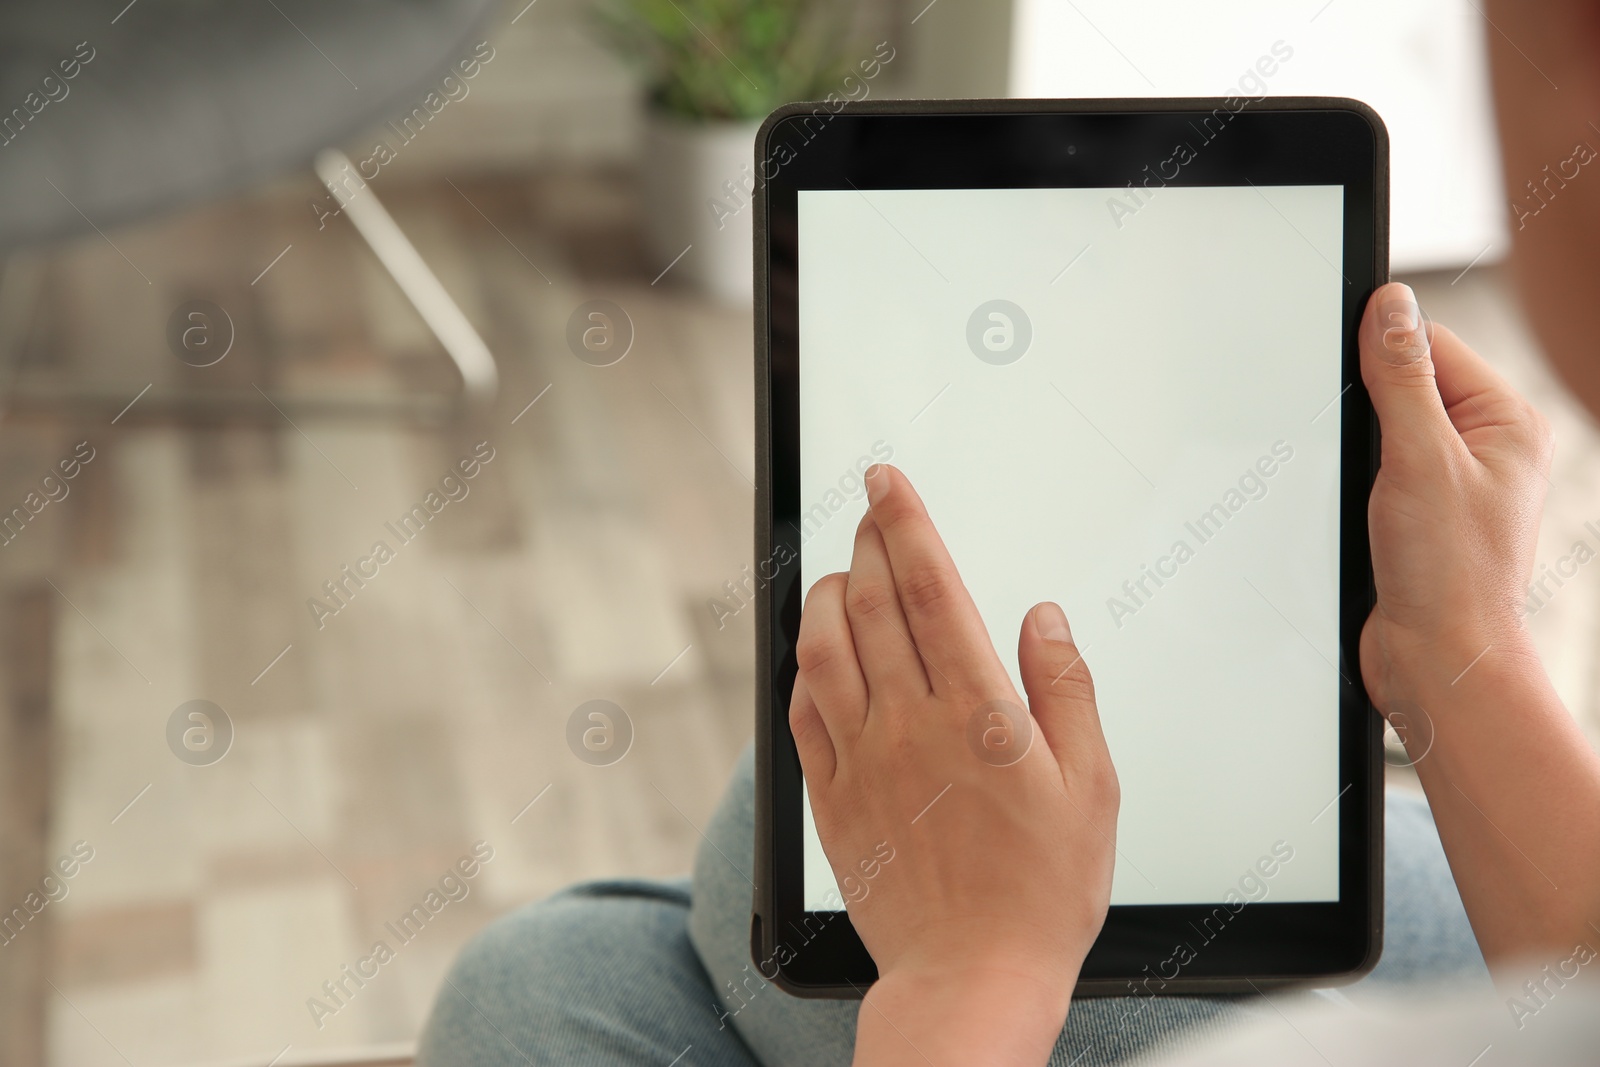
(998, 819)
(1454, 515)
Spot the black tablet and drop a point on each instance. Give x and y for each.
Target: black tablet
(1113, 344)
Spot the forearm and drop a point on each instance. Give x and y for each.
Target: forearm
(940, 1019)
(1515, 791)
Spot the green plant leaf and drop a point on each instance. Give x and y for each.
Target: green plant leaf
(730, 59)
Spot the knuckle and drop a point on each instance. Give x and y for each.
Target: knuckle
(804, 724)
(1530, 430)
(900, 514)
(893, 512)
(1069, 676)
(865, 598)
(816, 651)
(1077, 688)
(1538, 428)
(889, 519)
(1095, 784)
(829, 586)
(1418, 374)
(1108, 786)
(927, 589)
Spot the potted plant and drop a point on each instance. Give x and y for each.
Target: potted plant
(713, 69)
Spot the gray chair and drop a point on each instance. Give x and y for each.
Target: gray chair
(172, 102)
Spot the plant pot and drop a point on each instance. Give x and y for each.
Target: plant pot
(697, 181)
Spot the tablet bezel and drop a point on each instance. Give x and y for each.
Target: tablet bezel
(1016, 144)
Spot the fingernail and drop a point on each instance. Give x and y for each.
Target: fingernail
(1405, 338)
(1052, 622)
(877, 477)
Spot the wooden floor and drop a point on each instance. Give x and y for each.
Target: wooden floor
(374, 750)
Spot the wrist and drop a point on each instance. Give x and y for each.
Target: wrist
(1446, 698)
(976, 1013)
(1438, 666)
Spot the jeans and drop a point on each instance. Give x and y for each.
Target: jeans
(659, 973)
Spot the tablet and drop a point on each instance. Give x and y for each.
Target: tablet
(1113, 345)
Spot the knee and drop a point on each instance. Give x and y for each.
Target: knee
(472, 1001)
(534, 984)
(485, 961)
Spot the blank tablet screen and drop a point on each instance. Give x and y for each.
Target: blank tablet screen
(1126, 403)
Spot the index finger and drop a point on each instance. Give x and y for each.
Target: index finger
(944, 621)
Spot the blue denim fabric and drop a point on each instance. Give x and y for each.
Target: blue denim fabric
(632, 972)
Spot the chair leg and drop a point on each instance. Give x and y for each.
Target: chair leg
(421, 286)
(20, 283)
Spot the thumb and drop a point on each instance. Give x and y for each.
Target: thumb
(1060, 690)
(1397, 367)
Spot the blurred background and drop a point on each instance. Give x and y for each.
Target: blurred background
(281, 281)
